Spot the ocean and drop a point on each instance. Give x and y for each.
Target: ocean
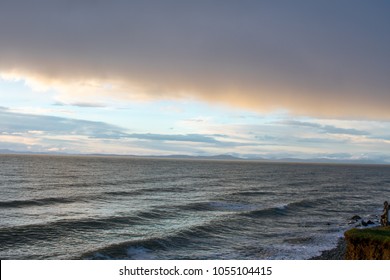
(85, 207)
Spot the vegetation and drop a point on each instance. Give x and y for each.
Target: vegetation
(369, 243)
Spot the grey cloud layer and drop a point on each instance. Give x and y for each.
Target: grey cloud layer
(327, 128)
(311, 57)
(11, 122)
(14, 123)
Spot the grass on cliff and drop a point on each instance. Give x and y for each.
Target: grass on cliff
(380, 234)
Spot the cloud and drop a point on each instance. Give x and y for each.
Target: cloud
(171, 137)
(327, 128)
(318, 58)
(11, 122)
(16, 126)
(42, 133)
(81, 104)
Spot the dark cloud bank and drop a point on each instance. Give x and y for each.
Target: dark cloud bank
(321, 58)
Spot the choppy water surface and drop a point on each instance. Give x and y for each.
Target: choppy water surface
(67, 207)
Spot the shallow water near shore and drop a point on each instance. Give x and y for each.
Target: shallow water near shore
(71, 207)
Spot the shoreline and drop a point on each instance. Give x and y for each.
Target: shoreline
(337, 253)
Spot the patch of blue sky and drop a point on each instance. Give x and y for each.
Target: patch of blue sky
(166, 116)
(18, 94)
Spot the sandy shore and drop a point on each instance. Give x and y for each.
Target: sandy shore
(337, 253)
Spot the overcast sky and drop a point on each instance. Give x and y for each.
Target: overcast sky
(251, 78)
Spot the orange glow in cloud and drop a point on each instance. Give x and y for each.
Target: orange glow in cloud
(266, 99)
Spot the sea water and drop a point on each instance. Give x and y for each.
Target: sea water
(72, 207)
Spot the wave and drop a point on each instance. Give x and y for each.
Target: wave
(196, 206)
(146, 248)
(292, 208)
(252, 193)
(252, 210)
(124, 193)
(10, 236)
(37, 202)
(223, 206)
(266, 212)
(82, 198)
(143, 191)
(173, 189)
(156, 214)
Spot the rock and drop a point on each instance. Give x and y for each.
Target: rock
(369, 222)
(364, 223)
(356, 217)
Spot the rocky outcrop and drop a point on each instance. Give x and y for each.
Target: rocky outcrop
(355, 218)
(368, 244)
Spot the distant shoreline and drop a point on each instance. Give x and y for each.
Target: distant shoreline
(221, 157)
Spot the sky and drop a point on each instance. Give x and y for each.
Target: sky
(251, 78)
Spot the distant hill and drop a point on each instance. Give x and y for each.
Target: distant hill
(216, 157)
(328, 160)
(226, 157)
